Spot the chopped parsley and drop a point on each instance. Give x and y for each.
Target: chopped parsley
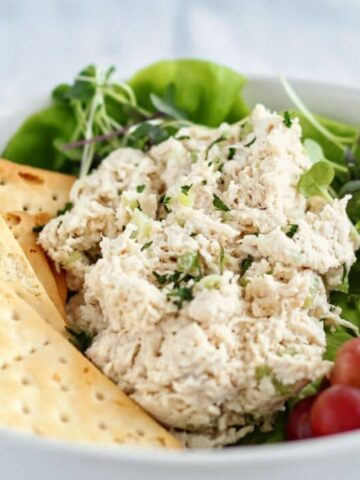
(183, 137)
(138, 206)
(68, 206)
(287, 119)
(231, 153)
(292, 230)
(246, 264)
(219, 204)
(222, 259)
(185, 189)
(146, 245)
(82, 340)
(165, 200)
(222, 138)
(250, 143)
(38, 228)
(181, 294)
(140, 188)
(161, 279)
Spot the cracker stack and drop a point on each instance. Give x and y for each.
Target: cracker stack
(47, 386)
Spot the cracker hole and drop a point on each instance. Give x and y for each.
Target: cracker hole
(18, 358)
(33, 350)
(64, 388)
(64, 418)
(13, 219)
(15, 316)
(25, 208)
(102, 426)
(99, 396)
(140, 433)
(26, 410)
(55, 197)
(46, 343)
(118, 440)
(31, 178)
(86, 370)
(16, 236)
(62, 360)
(25, 381)
(4, 366)
(2, 183)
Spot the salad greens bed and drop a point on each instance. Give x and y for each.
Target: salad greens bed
(96, 114)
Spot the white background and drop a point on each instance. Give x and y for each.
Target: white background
(43, 42)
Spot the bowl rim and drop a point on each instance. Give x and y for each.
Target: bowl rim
(234, 456)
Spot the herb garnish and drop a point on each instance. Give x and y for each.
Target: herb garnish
(292, 230)
(250, 143)
(231, 153)
(68, 206)
(185, 189)
(140, 188)
(146, 245)
(287, 120)
(38, 228)
(222, 138)
(246, 264)
(81, 340)
(219, 204)
(182, 294)
(165, 200)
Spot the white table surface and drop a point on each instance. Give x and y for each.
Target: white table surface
(43, 42)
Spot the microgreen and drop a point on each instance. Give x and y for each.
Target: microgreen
(222, 138)
(250, 143)
(231, 153)
(316, 181)
(82, 340)
(166, 103)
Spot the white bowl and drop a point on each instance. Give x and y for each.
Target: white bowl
(322, 459)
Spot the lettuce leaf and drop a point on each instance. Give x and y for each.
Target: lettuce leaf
(35, 142)
(208, 93)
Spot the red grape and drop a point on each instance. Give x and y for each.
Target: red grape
(336, 410)
(346, 370)
(298, 426)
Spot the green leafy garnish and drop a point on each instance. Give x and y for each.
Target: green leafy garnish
(166, 104)
(165, 201)
(68, 206)
(246, 264)
(140, 188)
(181, 295)
(82, 340)
(250, 143)
(222, 138)
(287, 120)
(292, 230)
(161, 279)
(198, 90)
(231, 153)
(219, 204)
(38, 228)
(146, 245)
(316, 180)
(185, 189)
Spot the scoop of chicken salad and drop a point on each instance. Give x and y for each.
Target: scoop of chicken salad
(203, 274)
(201, 251)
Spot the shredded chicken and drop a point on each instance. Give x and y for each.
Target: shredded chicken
(203, 274)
